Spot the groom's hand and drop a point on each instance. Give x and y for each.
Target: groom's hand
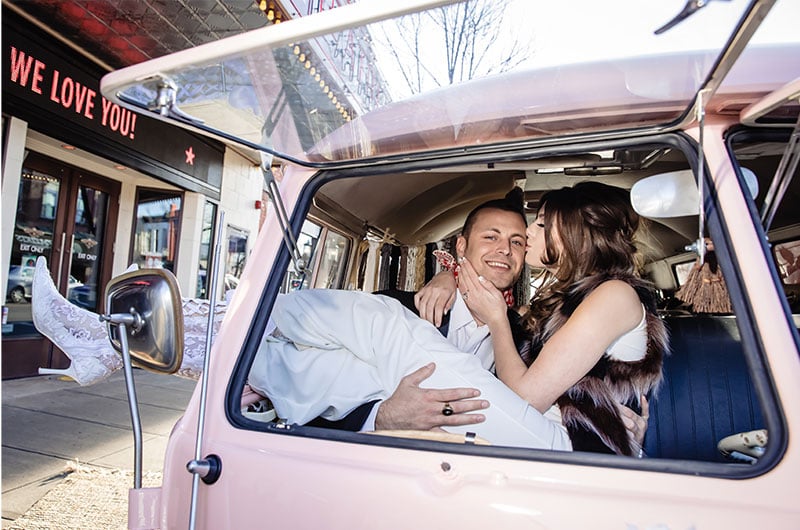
(436, 298)
(415, 408)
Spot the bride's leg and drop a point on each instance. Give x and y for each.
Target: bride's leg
(84, 339)
(393, 342)
(195, 325)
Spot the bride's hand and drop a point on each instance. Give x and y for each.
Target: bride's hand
(436, 297)
(481, 296)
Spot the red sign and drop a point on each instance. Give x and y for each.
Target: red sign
(58, 94)
(32, 73)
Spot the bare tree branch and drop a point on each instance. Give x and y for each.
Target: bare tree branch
(469, 45)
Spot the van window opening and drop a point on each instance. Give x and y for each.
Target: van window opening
(718, 336)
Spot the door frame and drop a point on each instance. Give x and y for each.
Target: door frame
(22, 356)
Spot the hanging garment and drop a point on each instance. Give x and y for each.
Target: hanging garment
(386, 259)
(371, 270)
(403, 268)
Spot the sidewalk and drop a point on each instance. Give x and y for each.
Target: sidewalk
(48, 422)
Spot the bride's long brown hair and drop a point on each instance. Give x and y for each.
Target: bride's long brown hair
(595, 226)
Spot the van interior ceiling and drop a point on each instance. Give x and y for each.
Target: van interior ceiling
(429, 206)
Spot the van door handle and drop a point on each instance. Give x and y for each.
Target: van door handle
(209, 469)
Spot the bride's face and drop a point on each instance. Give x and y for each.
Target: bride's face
(535, 249)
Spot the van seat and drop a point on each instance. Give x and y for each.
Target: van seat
(707, 392)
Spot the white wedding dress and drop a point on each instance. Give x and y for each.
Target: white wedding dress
(84, 339)
(332, 350)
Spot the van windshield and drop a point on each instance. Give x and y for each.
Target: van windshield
(439, 78)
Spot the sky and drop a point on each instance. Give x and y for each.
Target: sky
(629, 29)
(568, 31)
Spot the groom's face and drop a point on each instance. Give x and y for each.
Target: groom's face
(495, 246)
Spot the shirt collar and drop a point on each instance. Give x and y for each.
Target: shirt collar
(460, 315)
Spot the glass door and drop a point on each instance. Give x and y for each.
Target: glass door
(84, 255)
(65, 215)
(35, 226)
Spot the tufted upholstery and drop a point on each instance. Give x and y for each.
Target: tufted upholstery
(707, 393)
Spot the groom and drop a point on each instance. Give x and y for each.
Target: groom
(493, 239)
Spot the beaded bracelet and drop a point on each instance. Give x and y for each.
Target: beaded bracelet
(447, 261)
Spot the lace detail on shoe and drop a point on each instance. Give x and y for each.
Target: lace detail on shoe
(76, 331)
(84, 339)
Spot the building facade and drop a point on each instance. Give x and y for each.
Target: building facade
(94, 188)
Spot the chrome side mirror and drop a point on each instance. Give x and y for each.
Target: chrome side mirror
(148, 302)
(144, 318)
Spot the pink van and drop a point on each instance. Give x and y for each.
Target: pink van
(373, 157)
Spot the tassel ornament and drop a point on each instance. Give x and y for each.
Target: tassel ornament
(705, 290)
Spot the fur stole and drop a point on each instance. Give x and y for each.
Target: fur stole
(588, 408)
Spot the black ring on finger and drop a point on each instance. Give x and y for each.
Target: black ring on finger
(447, 410)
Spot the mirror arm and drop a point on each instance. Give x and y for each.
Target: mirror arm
(283, 219)
(132, 319)
(135, 320)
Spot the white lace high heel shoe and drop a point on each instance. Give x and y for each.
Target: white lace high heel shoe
(76, 331)
(84, 339)
(69, 371)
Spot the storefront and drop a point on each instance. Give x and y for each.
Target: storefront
(94, 188)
